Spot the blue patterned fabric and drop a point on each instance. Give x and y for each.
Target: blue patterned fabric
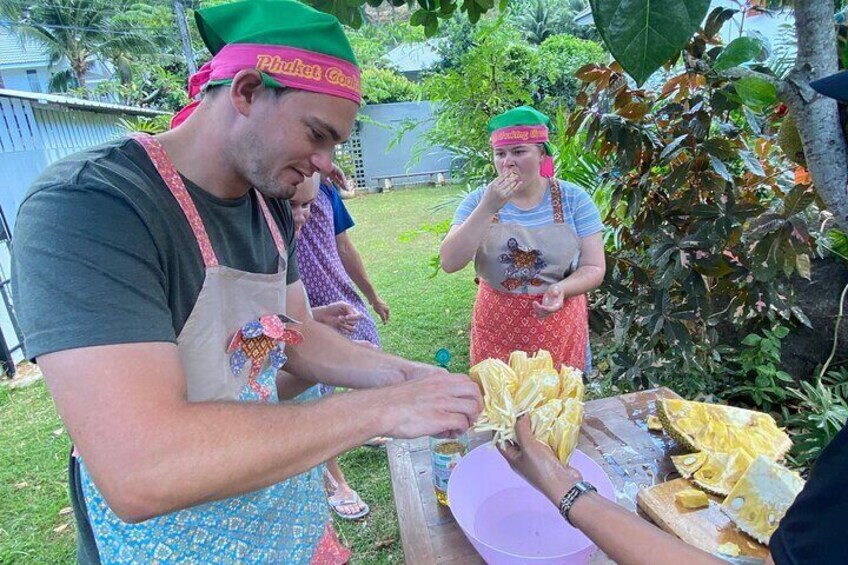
(280, 524)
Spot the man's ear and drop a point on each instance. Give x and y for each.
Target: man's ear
(247, 84)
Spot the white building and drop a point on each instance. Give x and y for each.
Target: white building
(25, 65)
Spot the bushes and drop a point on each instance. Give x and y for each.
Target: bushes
(381, 86)
(559, 57)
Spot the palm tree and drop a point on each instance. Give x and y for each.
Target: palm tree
(79, 32)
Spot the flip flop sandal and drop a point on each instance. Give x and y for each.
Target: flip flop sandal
(336, 504)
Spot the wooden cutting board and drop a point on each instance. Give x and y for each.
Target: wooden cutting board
(705, 528)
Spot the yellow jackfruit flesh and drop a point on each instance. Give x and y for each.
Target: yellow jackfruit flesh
(542, 419)
(566, 430)
(715, 428)
(519, 363)
(654, 424)
(692, 498)
(721, 471)
(530, 385)
(687, 464)
(548, 382)
(571, 383)
(761, 496)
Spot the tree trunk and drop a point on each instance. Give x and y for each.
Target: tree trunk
(816, 116)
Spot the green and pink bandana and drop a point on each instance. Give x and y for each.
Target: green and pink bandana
(523, 125)
(289, 43)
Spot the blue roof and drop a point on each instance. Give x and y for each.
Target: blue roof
(16, 52)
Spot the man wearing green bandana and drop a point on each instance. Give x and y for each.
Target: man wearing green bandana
(156, 285)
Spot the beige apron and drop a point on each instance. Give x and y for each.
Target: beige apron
(231, 348)
(515, 265)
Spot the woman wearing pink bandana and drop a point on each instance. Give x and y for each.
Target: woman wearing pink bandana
(537, 248)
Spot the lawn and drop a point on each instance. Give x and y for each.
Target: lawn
(426, 314)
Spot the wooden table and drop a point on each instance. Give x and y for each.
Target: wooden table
(614, 434)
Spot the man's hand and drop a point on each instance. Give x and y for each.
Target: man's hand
(439, 403)
(537, 463)
(415, 370)
(340, 316)
(381, 308)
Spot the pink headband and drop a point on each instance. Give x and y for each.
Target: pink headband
(289, 66)
(515, 135)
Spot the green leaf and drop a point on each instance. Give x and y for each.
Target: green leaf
(798, 199)
(642, 35)
(756, 93)
(720, 168)
(740, 50)
(781, 331)
(752, 163)
(751, 340)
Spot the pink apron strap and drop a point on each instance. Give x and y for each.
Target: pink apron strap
(556, 202)
(272, 225)
(177, 187)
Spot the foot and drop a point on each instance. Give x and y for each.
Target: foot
(347, 504)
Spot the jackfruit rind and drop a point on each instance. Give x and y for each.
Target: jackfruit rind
(687, 464)
(698, 426)
(654, 423)
(761, 497)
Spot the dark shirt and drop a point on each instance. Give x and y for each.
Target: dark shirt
(814, 529)
(103, 253)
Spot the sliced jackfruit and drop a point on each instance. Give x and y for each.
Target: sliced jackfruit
(566, 430)
(519, 363)
(530, 385)
(548, 382)
(571, 383)
(687, 464)
(761, 497)
(654, 424)
(721, 471)
(542, 419)
(692, 498)
(714, 428)
(492, 375)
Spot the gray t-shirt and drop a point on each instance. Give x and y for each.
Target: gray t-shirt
(102, 253)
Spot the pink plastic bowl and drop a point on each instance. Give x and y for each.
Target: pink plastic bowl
(508, 521)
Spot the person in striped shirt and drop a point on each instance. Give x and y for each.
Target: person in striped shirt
(537, 247)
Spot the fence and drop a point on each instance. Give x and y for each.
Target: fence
(378, 154)
(35, 130)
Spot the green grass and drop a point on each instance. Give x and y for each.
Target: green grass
(426, 314)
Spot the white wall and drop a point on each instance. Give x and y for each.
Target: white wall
(16, 79)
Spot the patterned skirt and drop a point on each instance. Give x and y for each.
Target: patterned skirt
(504, 322)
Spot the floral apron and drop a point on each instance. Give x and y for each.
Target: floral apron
(231, 348)
(515, 265)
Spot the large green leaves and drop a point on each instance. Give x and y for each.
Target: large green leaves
(642, 35)
(740, 50)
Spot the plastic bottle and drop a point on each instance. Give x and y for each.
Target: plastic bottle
(445, 453)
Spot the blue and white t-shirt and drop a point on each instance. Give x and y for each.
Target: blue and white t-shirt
(577, 208)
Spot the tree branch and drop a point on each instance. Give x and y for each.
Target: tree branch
(817, 117)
